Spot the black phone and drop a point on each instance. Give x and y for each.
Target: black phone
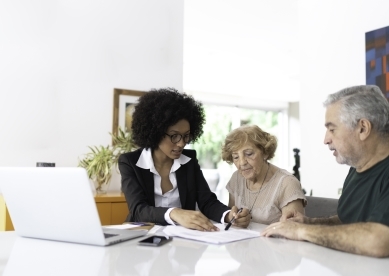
(155, 241)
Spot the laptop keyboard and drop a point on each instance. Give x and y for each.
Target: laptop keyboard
(109, 235)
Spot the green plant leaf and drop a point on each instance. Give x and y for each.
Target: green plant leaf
(100, 160)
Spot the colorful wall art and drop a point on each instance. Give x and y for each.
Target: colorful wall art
(377, 59)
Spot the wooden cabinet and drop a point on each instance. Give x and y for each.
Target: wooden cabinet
(112, 209)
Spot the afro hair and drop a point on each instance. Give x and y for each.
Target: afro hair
(161, 108)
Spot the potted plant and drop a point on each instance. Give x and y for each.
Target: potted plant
(122, 143)
(98, 164)
(100, 161)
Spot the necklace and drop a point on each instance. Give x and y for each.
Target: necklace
(260, 189)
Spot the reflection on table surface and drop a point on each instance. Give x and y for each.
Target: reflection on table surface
(258, 256)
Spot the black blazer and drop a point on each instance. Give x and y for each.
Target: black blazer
(138, 188)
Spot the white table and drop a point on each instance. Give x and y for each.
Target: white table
(258, 256)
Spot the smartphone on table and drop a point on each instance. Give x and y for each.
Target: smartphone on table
(155, 241)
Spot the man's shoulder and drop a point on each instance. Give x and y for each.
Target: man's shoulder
(384, 163)
(381, 167)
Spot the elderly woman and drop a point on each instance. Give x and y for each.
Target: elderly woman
(162, 181)
(269, 193)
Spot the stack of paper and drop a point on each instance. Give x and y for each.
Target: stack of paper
(217, 237)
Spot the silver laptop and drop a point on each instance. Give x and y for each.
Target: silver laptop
(56, 204)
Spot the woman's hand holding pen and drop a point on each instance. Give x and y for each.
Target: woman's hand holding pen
(242, 219)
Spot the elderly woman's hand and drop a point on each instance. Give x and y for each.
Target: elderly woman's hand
(242, 219)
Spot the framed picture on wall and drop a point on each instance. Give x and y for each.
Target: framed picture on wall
(377, 59)
(124, 102)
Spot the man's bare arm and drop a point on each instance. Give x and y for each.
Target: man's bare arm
(299, 217)
(334, 220)
(364, 238)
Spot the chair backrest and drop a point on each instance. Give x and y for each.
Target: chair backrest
(321, 207)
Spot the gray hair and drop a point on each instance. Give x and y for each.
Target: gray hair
(363, 101)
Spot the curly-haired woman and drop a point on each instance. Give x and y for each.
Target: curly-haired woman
(269, 193)
(162, 181)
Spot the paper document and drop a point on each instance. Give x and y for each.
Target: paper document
(217, 237)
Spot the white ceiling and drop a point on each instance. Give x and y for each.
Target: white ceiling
(242, 48)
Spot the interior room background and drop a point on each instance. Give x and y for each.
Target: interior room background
(60, 61)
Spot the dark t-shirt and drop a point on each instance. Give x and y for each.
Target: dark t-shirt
(365, 195)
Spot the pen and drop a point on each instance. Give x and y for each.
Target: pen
(233, 219)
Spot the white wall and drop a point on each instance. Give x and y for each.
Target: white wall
(245, 53)
(60, 61)
(332, 44)
(242, 48)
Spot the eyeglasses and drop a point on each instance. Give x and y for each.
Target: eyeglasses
(175, 138)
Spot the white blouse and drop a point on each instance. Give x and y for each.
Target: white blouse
(171, 198)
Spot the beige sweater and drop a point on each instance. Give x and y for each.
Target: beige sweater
(275, 194)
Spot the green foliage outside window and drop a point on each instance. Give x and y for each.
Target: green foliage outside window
(218, 125)
(220, 120)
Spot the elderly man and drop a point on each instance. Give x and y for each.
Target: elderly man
(357, 122)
